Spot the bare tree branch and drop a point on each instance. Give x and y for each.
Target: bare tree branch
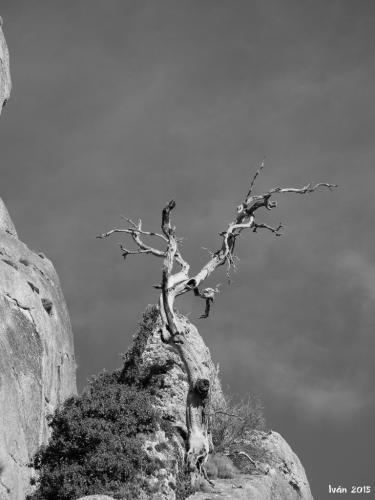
(180, 282)
(174, 284)
(126, 252)
(275, 230)
(113, 231)
(309, 188)
(253, 180)
(245, 219)
(166, 223)
(208, 294)
(130, 221)
(138, 228)
(135, 234)
(167, 298)
(253, 203)
(221, 412)
(140, 243)
(247, 456)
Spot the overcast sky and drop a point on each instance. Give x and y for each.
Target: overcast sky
(119, 106)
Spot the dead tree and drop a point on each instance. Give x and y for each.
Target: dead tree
(175, 284)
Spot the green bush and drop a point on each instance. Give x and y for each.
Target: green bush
(95, 447)
(183, 483)
(132, 359)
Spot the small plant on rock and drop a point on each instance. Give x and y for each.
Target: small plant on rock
(235, 421)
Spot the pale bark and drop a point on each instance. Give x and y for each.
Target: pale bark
(174, 284)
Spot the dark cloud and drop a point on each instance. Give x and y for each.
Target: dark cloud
(119, 106)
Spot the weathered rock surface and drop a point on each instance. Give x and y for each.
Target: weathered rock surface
(97, 497)
(154, 364)
(250, 487)
(275, 459)
(5, 80)
(157, 365)
(37, 364)
(277, 475)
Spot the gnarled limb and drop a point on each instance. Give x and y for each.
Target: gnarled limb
(245, 219)
(197, 404)
(274, 230)
(208, 294)
(174, 284)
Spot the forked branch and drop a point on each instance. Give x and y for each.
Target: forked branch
(135, 232)
(176, 283)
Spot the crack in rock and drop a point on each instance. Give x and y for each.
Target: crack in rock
(23, 308)
(7, 489)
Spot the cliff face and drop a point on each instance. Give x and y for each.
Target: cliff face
(37, 364)
(5, 81)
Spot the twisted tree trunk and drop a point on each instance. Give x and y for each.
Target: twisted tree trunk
(198, 399)
(197, 404)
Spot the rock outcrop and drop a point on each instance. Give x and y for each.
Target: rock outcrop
(37, 364)
(5, 80)
(277, 473)
(274, 462)
(157, 365)
(97, 497)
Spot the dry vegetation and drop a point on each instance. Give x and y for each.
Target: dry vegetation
(235, 421)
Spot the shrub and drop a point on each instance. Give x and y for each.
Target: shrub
(183, 482)
(220, 466)
(211, 467)
(130, 371)
(95, 447)
(201, 484)
(235, 421)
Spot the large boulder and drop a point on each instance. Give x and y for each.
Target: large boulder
(158, 366)
(272, 471)
(268, 470)
(37, 364)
